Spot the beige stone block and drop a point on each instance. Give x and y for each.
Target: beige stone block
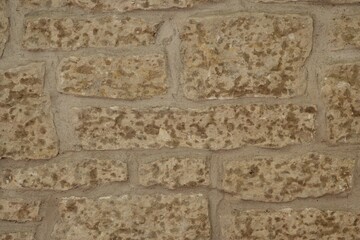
(175, 172)
(280, 179)
(221, 127)
(340, 88)
(19, 210)
(181, 217)
(289, 224)
(71, 33)
(27, 130)
(345, 32)
(125, 77)
(64, 175)
(245, 54)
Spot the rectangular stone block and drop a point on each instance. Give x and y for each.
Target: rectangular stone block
(245, 54)
(64, 175)
(290, 224)
(126, 77)
(17, 236)
(345, 32)
(283, 179)
(70, 33)
(27, 130)
(4, 25)
(181, 217)
(18, 210)
(175, 172)
(221, 127)
(341, 92)
(111, 5)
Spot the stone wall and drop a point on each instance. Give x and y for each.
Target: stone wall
(179, 119)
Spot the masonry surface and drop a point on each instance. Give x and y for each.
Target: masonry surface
(179, 119)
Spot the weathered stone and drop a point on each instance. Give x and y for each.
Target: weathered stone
(221, 127)
(341, 90)
(175, 172)
(17, 236)
(289, 224)
(114, 77)
(312, 1)
(70, 33)
(134, 217)
(26, 125)
(4, 26)
(345, 32)
(65, 175)
(283, 179)
(247, 54)
(19, 210)
(111, 5)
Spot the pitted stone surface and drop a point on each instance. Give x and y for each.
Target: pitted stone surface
(289, 224)
(345, 32)
(175, 172)
(17, 236)
(341, 91)
(283, 179)
(4, 26)
(312, 1)
(160, 217)
(111, 5)
(221, 127)
(247, 54)
(64, 175)
(70, 33)
(134, 77)
(19, 210)
(26, 124)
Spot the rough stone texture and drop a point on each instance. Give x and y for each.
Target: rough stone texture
(17, 236)
(345, 32)
(247, 54)
(134, 217)
(341, 91)
(26, 125)
(291, 224)
(114, 77)
(111, 5)
(175, 172)
(4, 26)
(64, 175)
(222, 127)
(283, 179)
(70, 33)
(19, 210)
(312, 1)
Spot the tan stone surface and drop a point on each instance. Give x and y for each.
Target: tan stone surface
(4, 25)
(64, 175)
(341, 92)
(26, 124)
(312, 1)
(17, 236)
(175, 172)
(289, 224)
(70, 33)
(345, 32)
(19, 210)
(284, 179)
(134, 77)
(222, 127)
(111, 5)
(134, 217)
(245, 54)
